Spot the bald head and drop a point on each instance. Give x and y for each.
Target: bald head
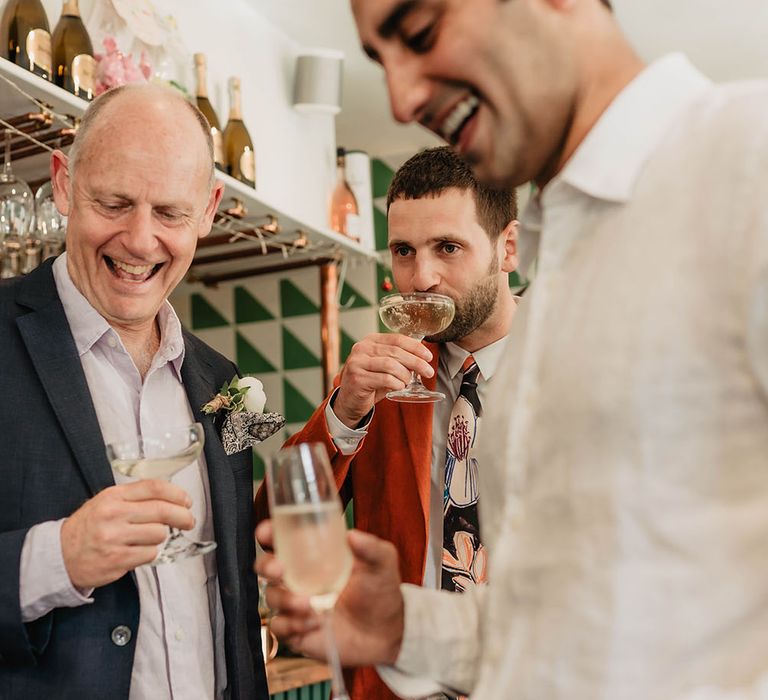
(162, 112)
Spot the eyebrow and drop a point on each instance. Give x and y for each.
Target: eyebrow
(445, 238)
(390, 25)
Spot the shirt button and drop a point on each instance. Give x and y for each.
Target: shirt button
(111, 341)
(121, 635)
(179, 635)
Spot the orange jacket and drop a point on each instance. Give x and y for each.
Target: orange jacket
(389, 481)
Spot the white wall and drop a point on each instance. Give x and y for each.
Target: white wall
(295, 154)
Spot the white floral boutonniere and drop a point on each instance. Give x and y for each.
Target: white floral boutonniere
(245, 424)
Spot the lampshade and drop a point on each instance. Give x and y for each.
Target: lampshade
(317, 82)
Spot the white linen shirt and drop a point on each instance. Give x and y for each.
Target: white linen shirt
(624, 497)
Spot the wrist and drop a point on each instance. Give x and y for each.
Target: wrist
(350, 418)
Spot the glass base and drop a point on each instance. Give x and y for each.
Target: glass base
(178, 547)
(415, 394)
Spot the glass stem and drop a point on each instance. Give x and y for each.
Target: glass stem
(338, 689)
(416, 379)
(7, 156)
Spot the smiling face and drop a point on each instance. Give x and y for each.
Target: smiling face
(438, 245)
(137, 204)
(495, 79)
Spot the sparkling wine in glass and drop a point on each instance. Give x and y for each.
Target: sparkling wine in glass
(160, 457)
(310, 535)
(418, 315)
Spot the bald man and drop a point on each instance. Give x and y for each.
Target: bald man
(93, 353)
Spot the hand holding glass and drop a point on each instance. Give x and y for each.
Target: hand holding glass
(160, 457)
(418, 314)
(310, 535)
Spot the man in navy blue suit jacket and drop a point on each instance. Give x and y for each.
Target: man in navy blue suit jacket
(90, 352)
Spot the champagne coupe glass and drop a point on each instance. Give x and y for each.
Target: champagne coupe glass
(160, 457)
(310, 536)
(51, 225)
(417, 314)
(17, 213)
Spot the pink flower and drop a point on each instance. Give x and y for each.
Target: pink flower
(114, 68)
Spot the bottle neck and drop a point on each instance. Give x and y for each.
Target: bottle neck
(235, 109)
(71, 7)
(202, 89)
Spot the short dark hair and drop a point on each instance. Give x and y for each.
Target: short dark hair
(434, 170)
(607, 3)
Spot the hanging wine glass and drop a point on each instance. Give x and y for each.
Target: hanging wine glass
(17, 214)
(50, 224)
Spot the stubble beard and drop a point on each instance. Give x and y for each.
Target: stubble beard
(472, 310)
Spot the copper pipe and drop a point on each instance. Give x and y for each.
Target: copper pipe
(329, 323)
(29, 117)
(235, 255)
(214, 279)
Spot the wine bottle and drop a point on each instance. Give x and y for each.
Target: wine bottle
(26, 36)
(238, 147)
(205, 106)
(343, 211)
(74, 67)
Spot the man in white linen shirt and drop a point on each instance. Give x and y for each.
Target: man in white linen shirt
(93, 353)
(626, 496)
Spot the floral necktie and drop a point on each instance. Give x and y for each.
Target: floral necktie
(464, 560)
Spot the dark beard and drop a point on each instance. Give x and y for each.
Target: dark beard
(472, 310)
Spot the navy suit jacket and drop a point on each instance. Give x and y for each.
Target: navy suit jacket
(52, 459)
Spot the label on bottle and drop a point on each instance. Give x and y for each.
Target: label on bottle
(83, 72)
(248, 165)
(39, 50)
(218, 146)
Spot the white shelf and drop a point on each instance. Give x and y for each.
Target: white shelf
(323, 243)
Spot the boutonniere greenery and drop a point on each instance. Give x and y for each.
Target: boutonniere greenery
(245, 424)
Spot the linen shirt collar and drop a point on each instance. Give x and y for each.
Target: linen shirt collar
(88, 326)
(608, 162)
(487, 358)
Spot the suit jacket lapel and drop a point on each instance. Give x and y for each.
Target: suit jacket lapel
(197, 377)
(417, 429)
(50, 345)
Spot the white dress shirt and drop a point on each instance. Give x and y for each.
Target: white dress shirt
(625, 439)
(448, 382)
(180, 645)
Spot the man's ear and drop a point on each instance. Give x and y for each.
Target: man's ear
(217, 191)
(60, 181)
(508, 247)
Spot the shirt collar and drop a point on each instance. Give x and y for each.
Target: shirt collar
(608, 162)
(487, 358)
(88, 326)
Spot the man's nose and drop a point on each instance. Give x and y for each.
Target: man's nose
(425, 275)
(140, 239)
(409, 90)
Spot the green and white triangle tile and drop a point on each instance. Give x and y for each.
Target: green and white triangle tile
(266, 338)
(381, 176)
(358, 323)
(306, 329)
(266, 290)
(294, 301)
(249, 359)
(309, 382)
(296, 354)
(298, 407)
(211, 308)
(220, 339)
(345, 345)
(352, 298)
(273, 389)
(182, 305)
(380, 229)
(248, 309)
(362, 278)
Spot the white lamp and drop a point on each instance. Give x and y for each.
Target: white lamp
(317, 82)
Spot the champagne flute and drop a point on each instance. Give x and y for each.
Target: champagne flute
(417, 314)
(160, 457)
(310, 536)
